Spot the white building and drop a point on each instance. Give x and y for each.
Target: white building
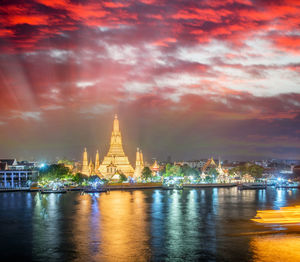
(13, 175)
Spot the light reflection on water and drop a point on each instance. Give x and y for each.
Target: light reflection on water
(276, 248)
(124, 232)
(144, 225)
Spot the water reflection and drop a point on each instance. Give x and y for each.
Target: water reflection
(276, 248)
(157, 223)
(145, 225)
(174, 240)
(82, 230)
(124, 227)
(280, 198)
(46, 229)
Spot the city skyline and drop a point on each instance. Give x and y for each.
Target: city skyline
(187, 79)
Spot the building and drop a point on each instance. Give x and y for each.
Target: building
(209, 164)
(13, 175)
(193, 163)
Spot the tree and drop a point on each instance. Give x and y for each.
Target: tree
(54, 172)
(255, 171)
(173, 170)
(94, 179)
(65, 162)
(213, 172)
(79, 178)
(189, 171)
(167, 171)
(146, 173)
(177, 170)
(122, 178)
(186, 170)
(208, 179)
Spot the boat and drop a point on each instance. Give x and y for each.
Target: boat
(286, 215)
(288, 185)
(171, 187)
(54, 191)
(95, 190)
(254, 186)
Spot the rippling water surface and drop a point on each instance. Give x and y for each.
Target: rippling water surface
(146, 225)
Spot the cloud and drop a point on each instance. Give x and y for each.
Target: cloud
(27, 115)
(225, 71)
(96, 109)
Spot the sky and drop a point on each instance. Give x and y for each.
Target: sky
(188, 79)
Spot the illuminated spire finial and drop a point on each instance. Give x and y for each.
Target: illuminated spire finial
(116, 124)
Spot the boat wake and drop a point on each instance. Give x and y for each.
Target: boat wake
(285, 215)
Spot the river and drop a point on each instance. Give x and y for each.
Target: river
(210, 224)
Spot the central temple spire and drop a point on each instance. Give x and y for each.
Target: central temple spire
(116, 154)
(116, 147)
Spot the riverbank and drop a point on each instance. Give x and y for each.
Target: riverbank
(125, 186)
(17, 189)
(209, 185)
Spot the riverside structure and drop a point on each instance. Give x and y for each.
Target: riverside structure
(13, 175)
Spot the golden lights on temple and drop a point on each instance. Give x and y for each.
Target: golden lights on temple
(115, 162)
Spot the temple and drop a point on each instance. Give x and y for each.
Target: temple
(115, 161)
(155, 167)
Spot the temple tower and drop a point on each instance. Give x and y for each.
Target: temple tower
(138, 168)
(142, 160)
(85, 165)
(155, 167)
(116, 154)
(97, 161)
(91, 168)
(138, 157)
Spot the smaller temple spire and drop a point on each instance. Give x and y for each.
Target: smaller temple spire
(85, 166)
(97, 161)
(91, 167)
(138, 168)
(138, 158)
(142, 159)
(85, 157)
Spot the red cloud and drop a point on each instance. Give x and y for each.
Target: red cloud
(66, 59)
(288, 43)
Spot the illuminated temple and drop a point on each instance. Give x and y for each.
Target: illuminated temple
(115, 162)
